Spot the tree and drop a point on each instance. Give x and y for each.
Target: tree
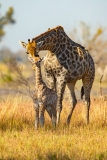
(5, 20)
(94, 40)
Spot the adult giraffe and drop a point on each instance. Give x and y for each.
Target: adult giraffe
(67, 63)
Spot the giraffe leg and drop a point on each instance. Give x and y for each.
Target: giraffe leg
(36, 107)
(60, 87)
(54, 117)
(41, 114)
(73, 100)
(48, 109)
(87, 104)
(52, 114)
(87, 85)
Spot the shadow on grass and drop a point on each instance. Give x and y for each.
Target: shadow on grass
(54, 156)
(57, 156)
(51, 156)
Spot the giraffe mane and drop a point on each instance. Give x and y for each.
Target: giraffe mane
(49, 32)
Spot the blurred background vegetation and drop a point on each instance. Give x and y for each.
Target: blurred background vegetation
(6, 19)
(95, 40)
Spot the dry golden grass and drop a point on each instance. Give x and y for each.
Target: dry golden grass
(20, 141)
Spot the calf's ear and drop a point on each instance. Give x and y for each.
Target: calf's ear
(23, 44)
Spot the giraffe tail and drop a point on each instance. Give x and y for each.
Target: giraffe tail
(82, 92)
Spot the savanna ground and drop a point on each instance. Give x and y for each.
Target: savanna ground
(20, 141)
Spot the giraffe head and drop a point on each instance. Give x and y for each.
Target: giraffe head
(32, 48)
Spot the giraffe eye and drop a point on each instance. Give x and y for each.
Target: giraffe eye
(27, 52)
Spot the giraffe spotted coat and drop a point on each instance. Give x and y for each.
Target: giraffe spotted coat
(67, 63)
(44, 98)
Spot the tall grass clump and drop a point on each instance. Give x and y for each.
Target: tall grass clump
(16, 113)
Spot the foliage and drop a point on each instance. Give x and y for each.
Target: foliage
(14, 77)
(94, 41)
(5, 20)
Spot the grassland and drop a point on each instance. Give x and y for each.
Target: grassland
(20, 141)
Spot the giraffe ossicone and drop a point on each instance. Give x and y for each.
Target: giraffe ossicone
(65, 64)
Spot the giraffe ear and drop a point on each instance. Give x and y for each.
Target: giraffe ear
(23, 44)
(39, 44)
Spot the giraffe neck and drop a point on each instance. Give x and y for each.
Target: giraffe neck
(38, 75)
(56, 41)
(51, 40)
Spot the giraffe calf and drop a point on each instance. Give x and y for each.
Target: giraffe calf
(44, 98)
